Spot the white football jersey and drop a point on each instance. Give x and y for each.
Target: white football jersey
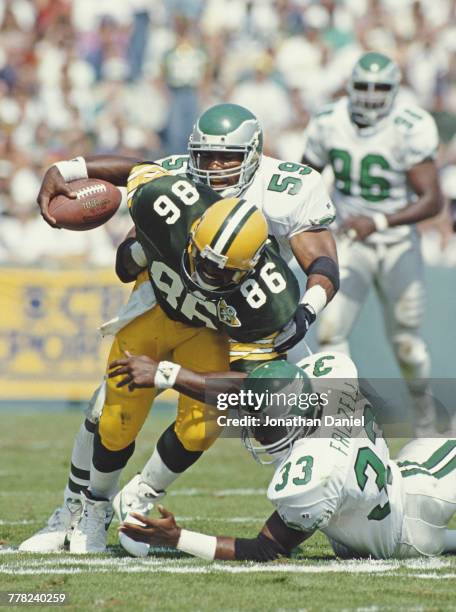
(293, 197)
(370, 164)
(341, 479)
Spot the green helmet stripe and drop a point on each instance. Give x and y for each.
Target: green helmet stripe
(236, 231)
(374, 59)
(231, 226)
(225, 223)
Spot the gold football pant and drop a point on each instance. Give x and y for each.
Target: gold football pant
(156, 335)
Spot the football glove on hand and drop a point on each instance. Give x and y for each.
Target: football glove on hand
(295, 330)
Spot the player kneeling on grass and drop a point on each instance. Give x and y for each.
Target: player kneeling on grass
(336, 479)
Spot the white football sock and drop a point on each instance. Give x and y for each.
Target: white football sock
(156, 474)
(104, 484)
(80, 460)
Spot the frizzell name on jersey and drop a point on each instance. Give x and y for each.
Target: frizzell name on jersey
(164, 209)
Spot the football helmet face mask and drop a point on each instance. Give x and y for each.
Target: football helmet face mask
(230, 131)
(224, 246)
(372, 88)
(279, 379)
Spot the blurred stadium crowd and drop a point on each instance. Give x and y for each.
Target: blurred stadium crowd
(130, 77)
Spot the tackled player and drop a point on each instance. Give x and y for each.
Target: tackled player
(365, 503)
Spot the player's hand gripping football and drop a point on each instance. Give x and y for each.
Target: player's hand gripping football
(138, 371)
(162, 531)
(358, 228)
(53, 184)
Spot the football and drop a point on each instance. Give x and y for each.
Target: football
(96, 202)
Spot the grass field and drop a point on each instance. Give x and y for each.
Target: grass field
(225, 494)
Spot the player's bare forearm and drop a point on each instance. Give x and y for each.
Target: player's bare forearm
(424, 182)
(274, 540)
(195, 384)
(112, 168)
(307, 247)
(139, 371)
(305, 160)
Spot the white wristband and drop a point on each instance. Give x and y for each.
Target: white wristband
(138, 255)
(73, 169)
(197, 544)
(380, 222)
(316, 298)
(166, 374)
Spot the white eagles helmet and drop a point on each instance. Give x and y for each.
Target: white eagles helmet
(228, 128)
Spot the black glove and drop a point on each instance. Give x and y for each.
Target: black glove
(295, 330)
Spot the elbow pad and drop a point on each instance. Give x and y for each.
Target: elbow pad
(259, 549)
(126, 268)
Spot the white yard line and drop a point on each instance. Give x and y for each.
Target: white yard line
(192, 492)
(24, 522)
(434, 576)
(78, 565)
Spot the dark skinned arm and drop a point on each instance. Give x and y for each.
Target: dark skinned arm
(424, 181)
(275, 538)
(139, 372)
(112, 168)
(307, 162)
(308, 246)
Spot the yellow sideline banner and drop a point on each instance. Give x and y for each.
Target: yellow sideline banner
(50, 347)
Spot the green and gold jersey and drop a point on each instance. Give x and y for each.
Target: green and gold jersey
(164, 209)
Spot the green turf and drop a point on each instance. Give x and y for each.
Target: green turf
(222, 494)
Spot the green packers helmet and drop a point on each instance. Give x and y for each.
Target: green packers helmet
(372, 88)
(286, 389)
(224, 246)
(226, 128)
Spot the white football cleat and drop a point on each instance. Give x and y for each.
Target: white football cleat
(55, 535)
(89, 535)
(136, 496)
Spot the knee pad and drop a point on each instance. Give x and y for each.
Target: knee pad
(409, 309)
(413, 356)
(116, 432)
(195, 436)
